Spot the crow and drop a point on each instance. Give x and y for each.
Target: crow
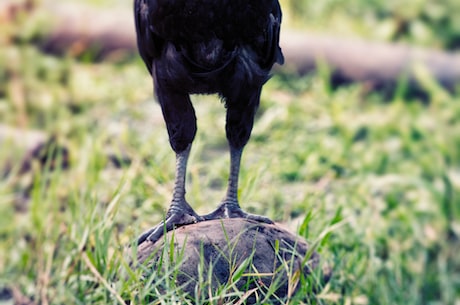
(223, 47)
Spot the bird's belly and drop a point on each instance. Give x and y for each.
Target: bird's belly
(183, 72)
(197, 70)
(206, 55)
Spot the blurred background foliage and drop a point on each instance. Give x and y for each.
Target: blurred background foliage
(429, 23)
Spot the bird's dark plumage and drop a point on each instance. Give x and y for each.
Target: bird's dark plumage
(208, 46)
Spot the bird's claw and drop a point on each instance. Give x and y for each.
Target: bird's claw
(174, 220)
(232, 210)
(177, 219)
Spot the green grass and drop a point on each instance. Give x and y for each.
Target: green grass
(374, 181)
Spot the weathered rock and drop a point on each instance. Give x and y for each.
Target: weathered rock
(250, 257)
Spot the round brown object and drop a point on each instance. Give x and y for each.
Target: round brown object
(253, 259)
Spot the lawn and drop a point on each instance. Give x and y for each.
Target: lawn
(373, 179)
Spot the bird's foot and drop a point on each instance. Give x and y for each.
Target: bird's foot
(174, 219)
(230, 209)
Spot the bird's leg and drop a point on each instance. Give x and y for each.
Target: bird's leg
(229, 207)
(241, 109)
(232, 189)
(180, 213)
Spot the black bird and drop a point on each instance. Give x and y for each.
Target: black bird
(227, 47)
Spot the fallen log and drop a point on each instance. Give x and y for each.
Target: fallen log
(378, 64)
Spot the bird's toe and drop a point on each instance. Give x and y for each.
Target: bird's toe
(174, 220)
(232, 210)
